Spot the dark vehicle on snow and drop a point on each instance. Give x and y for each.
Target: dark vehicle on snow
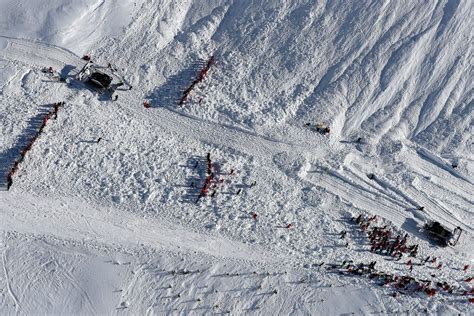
(442, 235)
(100, 80)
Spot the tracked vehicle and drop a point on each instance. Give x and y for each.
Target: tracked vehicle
(442, 235)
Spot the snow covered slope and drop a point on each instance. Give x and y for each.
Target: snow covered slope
(119, 226)
(75, 24)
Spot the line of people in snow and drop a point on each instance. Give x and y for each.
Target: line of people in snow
(401, 284)
(51, 114)
(202, 74)
(209, 178)
(211, 182)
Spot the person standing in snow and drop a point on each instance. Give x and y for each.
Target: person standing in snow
(372, 265)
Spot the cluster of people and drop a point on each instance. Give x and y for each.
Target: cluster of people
(48, 70)
(384, 241)
(44, 121)
(202, 74)
(360, 268)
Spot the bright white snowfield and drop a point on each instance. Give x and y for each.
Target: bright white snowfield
(116, 226)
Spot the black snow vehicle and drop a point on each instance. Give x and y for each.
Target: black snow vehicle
(443, 235)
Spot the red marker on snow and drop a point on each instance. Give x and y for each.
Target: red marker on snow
(254, 216)
(289, 226)
(146, 104)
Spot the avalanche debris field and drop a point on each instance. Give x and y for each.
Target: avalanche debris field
(248, 157)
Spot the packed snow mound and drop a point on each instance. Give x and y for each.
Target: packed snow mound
(73, 24)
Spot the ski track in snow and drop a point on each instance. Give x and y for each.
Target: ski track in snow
(9, 287)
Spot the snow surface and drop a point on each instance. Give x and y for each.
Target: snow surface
(114, 227)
